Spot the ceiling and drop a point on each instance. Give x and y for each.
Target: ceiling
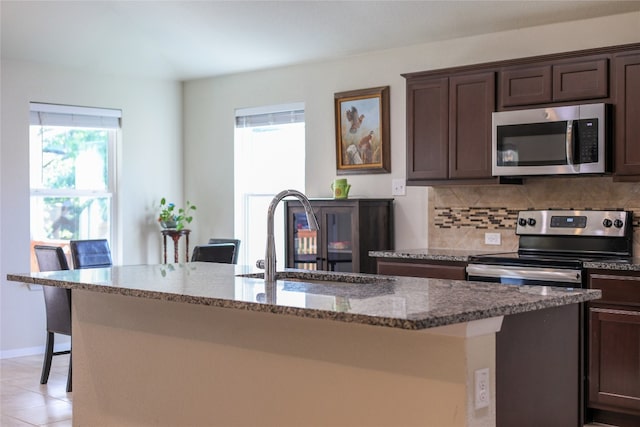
(182, 40)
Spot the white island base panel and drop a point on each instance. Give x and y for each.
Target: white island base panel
(140, 361)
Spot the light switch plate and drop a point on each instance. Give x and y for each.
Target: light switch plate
(398, 187)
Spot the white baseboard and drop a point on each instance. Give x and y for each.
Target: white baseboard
(30, 351)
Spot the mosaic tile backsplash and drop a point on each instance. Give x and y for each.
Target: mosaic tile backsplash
(460, 216)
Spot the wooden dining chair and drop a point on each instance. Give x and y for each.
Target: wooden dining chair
(216, 252)
(57, 303)
(90, 253)
(235, 242)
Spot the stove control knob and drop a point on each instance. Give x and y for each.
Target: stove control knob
(607, 223)
(522, 222)
(532, 221)
(618, 223)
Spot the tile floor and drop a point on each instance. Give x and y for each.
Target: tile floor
(26, 402)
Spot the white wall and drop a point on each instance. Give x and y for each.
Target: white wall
(209, 108)
(149, 165)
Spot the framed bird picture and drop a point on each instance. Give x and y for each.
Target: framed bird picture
(362, 131)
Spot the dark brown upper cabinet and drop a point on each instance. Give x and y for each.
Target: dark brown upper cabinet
(554, 82)
(449, 128)
(449, 110)
(524, 86)
(427, 129)
(627, 116)
(471, 102)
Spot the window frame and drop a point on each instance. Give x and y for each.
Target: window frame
(99, 118)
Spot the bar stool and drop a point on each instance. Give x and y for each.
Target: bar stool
(57, 303)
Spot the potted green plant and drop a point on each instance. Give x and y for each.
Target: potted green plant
(171, 217)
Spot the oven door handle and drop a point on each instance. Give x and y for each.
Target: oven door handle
(529, 273)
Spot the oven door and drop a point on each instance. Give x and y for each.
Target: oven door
(519, 275)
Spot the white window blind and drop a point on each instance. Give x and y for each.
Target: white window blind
(269, 116)
(65, 115)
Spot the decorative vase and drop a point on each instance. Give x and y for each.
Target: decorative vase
(167, 225)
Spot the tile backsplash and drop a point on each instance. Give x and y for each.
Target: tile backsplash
(459, 216)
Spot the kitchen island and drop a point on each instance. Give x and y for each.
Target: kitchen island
(212, 344)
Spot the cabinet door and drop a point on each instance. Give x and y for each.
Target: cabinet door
(627, 138)
(581, 80)
(303, 249)
(471, 102)
(525, 86)
(338, 238)
(614, 360)
(571, 81)
(427, 129)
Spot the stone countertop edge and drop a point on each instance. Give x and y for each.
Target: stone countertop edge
(423, 254)
(454, 255)
(448, 301)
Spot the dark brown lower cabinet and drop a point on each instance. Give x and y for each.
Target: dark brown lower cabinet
(614, 349)
(539, 369)
(539, 355)
(423, 268)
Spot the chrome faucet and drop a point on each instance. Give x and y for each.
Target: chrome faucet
(269, 262)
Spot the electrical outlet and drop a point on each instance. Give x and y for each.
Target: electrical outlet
(482, 388)
(491, 238)
(398, 187)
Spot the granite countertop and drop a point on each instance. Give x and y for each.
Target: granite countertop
(632, 264)
(397, 302)
(427, 254)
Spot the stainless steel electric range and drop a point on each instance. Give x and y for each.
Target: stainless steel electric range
(555, 244)
(540, 356)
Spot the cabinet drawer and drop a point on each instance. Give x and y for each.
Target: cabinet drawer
(616, 289)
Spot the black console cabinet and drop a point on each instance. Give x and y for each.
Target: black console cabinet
(349, 229)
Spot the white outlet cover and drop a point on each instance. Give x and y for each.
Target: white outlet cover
(482, 395)
(398, 187)
(492, 238)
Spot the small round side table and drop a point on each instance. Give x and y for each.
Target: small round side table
(175, 236)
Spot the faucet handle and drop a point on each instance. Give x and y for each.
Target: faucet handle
(260, 264)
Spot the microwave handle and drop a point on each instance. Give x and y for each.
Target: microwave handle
(569, 142)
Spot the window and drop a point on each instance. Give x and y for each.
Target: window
(72, 152)
(269, 157)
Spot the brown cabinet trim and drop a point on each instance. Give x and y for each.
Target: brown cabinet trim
(474, 68)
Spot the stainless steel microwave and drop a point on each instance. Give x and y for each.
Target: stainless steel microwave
(550, 141)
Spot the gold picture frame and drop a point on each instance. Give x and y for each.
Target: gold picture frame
(362, 131)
